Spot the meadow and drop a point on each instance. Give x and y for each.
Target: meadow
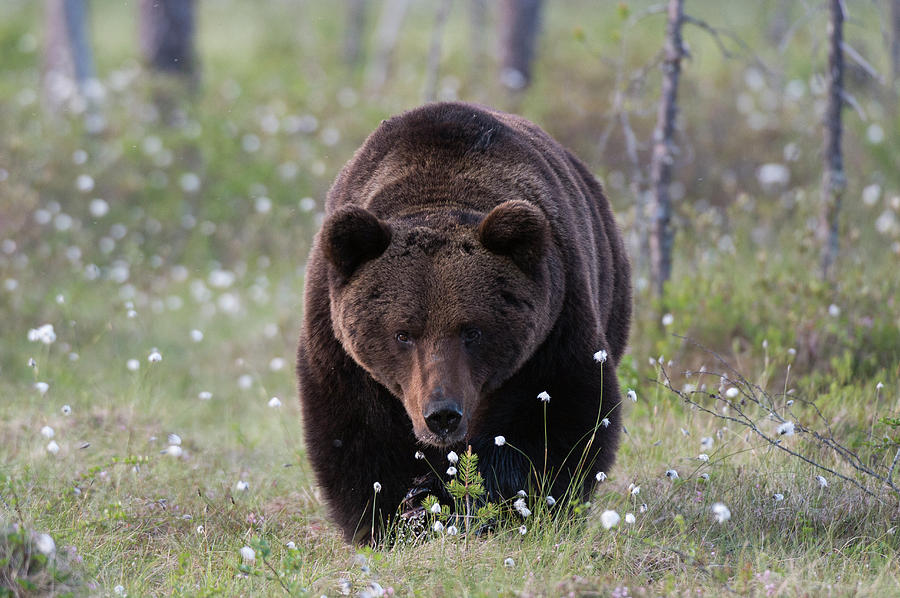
(151, 276)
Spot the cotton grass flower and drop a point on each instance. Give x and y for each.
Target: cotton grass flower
(204, 395)
(435, 509)
(523, 530)
(419, 455)
(44, 334)
(438, 527)
(119, 590)
(451, 471)
(522, 508)
(668, 320)
(671, 474)
(786, 429)
(704, 477)
(629, 518)
(721, 512)
(248, 555)
(52, 447)
(632, 395)
(154, 357)
(823, 483)
(600, 356)
(452, 530)
(45, 544)
(706, 442)
(544, 397)
(173, 439)
(173, 450)
(703, 457)
(133, 365)
(732, 392)
(66, 410)
(452, 457)
(376, 487)
(550, 501)
(47, 432)
(634, 490)
(778, 497)
(274, 402)
(509, 562)
(601, 476)
(196, 335)
(609, 519)
(604, 422)
(499, 440)
(41, 387)
(241, 486)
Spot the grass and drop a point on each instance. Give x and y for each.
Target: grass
(227, 259)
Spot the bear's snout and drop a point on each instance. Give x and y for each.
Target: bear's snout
(442, 417)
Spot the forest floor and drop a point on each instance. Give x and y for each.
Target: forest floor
(179, 230)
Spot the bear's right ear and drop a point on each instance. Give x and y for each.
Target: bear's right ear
(516, 229)
(352, 236)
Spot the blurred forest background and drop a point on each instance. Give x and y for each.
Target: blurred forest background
(163, 168)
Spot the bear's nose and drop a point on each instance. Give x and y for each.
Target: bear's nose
(443, 417)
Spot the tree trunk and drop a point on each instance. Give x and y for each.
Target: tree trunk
(167, 36)
(895, 40)
(354, 32)
(434, 53)
(390, 21)
(68, 58)
(661, 234)
(519, 25)
(833, 179)
(478, 18)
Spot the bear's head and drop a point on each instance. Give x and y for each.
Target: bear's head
(444, 305)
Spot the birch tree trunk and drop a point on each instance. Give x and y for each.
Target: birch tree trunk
(833, 178)
(661, 233)
(519, 25)
(390, 21)
(68, 58)
(354, 31)
(434, 52)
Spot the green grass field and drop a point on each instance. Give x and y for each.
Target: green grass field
(189, 242)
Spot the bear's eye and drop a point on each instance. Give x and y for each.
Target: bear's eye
(403, 338)
(471, 335)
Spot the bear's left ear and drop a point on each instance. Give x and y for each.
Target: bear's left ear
(352, 236)
(516, 229)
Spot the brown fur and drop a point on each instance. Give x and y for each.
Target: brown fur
(466, 259)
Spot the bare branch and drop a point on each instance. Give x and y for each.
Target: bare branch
(858, 59)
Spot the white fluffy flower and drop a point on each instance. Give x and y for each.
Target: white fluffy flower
(451, 470)
(609, 519)
(419, 455)
(47, 432)
(544, 396)
(732, 392)
(600, 356)
(154, 357)
(786, 429)
(604, 422)
(438, 527)
(435, 508)
(132, 365)
(601, 476)
(706, 442)
(196, 335)
(376, 487)
(204, 395)
(452, 530)
(778, 497)
(721, 512)
(499, 440)
(509, 562)
(52, 447)
(45, 544)
(274, 402)
(704, 477)
(41, 387)
(66, 410)
(523, 530)
(452, 457)
(44, 334)
(671, 474)
(521, 507)
(242, 486)
(550, 501)
(290, 545)
(635, 490)
(173, 450)
(248, 555)
(629, 518)
(668, 319)
(632, 395)
(174, 439)
(703, 457)
(823, 483)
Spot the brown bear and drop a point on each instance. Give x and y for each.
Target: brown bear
(467, 263)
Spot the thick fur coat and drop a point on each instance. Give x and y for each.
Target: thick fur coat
(467, 263)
